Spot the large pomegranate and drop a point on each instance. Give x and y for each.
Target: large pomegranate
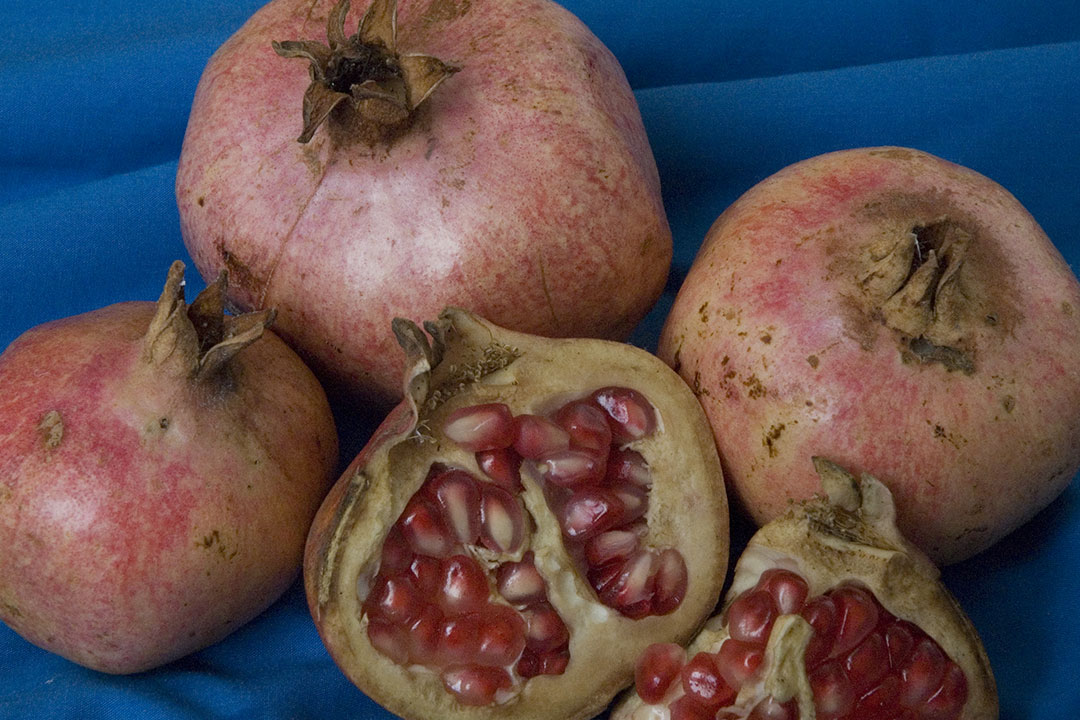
(832, 615)
(901, 314)
(159, 468)
(528, 520)
(487, 154)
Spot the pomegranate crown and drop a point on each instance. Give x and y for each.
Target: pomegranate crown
(370, 89)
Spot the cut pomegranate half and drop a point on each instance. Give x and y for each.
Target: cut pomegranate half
(831, 615)
(531, 518)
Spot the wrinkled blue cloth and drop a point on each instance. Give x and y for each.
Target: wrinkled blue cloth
(93, 104)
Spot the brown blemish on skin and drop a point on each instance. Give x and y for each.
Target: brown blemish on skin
(240, 275)
(703, 312)
(755, 388)
(1008, 402)
(770, 438)
(813, 361)
(1067, 308)
(766, 338)
(51, 429)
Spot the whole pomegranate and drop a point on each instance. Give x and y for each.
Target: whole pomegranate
(487, 154)
(901, 314)
(832, 615)
(159, 468)
(530, 518)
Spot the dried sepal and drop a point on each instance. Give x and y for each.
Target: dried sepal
(361, 81)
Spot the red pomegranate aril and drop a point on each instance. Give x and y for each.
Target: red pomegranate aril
(554, 662)
(589, 512)
(737, 661)
(751, 616)
(948, 701)
(879, 702)
(394, 598)
(834, 697)
(389, 639)
(502, 466)
(520, 583)
(701, 681)
(502, 524)
(656, 669)
(426, 573)
(572, 468)
(789, 591)
(458, 496)
(625, 466)
(856, 617)
(684, 708)
(464, 585)
(481, 427)
(423, 528)
(900, 640)
(396, 553)
(536, 436)
(821, 612)
(671, 581)
(458, 640)
(601, 577)
(630, 415)
(425, 636)
(922, 674)
(476, 685)
(586, 424)
(545, 630)
(634, 501)
(631, 592)
(501, 636)
(867, 664)
(612, 545)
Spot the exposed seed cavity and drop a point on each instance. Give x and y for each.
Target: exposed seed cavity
(860, 661)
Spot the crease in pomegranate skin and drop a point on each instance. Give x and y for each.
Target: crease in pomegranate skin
(457, 590)
(862, 662)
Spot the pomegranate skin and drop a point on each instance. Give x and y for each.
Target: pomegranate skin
(969, 412)
(524, 190)
(144, 516)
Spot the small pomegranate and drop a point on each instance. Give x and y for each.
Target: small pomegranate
(159, 468)
(486, 154)
(898, 313)
(831, 614)
(528, 520)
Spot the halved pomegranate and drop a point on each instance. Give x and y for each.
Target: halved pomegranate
(520, 528)
(832, 614)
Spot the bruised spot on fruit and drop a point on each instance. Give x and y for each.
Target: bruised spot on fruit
(51, 429)
(813, 361)
(201, 201)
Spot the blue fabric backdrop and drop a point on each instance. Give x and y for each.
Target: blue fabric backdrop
(93, 104)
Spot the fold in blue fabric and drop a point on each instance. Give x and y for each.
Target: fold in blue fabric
(93, 106)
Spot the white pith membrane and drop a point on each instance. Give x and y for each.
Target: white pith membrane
(840, 546)
(472, 368)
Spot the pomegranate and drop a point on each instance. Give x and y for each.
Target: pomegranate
(831, 614)
(159, 467)
(487, 154)
(520, 527)
(902, 315)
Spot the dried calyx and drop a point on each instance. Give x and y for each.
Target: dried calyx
(199, 339)
(532, 516)
(360, 84)
(915, 282)
(831, 614)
